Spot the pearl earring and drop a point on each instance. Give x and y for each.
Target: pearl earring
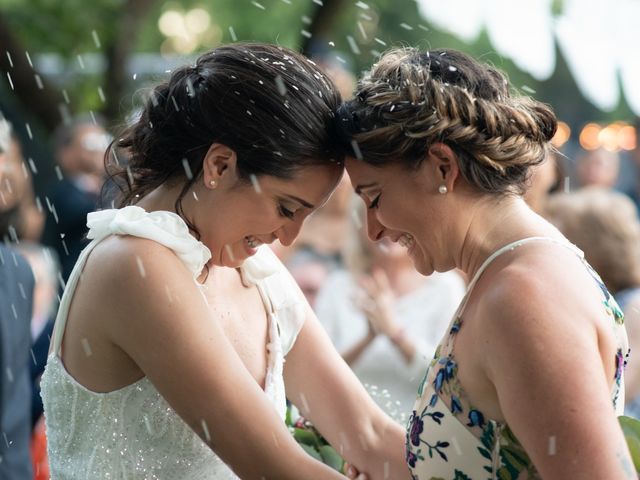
(213, 184)
(442, 189)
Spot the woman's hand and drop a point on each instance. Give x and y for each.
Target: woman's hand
(377, 304)
(353, 473)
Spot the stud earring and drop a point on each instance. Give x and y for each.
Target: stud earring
(213, 184)
(442, 189)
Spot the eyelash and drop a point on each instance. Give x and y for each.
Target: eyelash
(285, 212)
(375, 202)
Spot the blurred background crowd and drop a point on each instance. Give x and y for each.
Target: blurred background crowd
(73, 73)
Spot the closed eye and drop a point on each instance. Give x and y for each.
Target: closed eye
(375, 202)
(285, 212)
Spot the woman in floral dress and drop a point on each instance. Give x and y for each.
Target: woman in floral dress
(528, 379)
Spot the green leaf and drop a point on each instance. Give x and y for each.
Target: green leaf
(631, 428)
(331, 457)
(305, 437)
(311, 451)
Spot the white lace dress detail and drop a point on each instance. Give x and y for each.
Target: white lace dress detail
(133, 433)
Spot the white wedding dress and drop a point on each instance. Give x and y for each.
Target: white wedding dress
(132, 432)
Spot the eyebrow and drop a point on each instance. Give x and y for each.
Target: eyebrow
(302, 202)
(359, 188)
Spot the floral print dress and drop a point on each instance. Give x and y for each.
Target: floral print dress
(449, 439)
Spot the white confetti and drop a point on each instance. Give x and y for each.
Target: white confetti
(58, 171)
(282, 88)
(528, 89)
(305, 33)
(141, 269)
(456, 445)
(80, 61)
(96, 40)
(356, 149)
(356, 219)
(230, 252)
(362, 5)
(406, 26)
(147, 424)
(187, 168)
(255, 183)
(191, 92)
(232, 32)
(10, 81)
(206, 431)
(86, 347)
(10, 59)
(258, 5)
(362, 31)
(305, 404)
(101, 95)
(29, 131)
(65, 95)
(552, 445)
(29, 59)
(354, 46)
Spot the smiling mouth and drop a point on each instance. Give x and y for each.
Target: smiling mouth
(252, 241)
(406, 240)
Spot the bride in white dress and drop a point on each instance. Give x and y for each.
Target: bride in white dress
(168, 355)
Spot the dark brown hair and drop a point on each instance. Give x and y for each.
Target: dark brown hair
(271, 105)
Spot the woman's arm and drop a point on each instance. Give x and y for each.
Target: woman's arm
(160, 319)
(552, 368)
(328, 393)
(353, 353)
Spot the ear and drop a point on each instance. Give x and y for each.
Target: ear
(219, 165)
(444, 163)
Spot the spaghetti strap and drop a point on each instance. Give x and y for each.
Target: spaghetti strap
(507, 248)
(69, 289)
(164, 227)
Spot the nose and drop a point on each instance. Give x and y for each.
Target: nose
(374, 227)
(288, 232)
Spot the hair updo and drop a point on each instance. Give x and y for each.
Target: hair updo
(269, 104)
(410, 100)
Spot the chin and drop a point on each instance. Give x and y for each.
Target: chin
(231, 259)
(423, 267)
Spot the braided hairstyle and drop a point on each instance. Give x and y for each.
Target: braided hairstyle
(269, 104)
(410, 100)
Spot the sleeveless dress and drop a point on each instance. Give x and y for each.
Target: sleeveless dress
(447, 438)
(132, 432)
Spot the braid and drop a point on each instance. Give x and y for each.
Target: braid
(410, 100)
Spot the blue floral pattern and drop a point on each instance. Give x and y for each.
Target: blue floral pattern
(447, 438)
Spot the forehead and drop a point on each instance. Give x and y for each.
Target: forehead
(313, 181)
(362, 172)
